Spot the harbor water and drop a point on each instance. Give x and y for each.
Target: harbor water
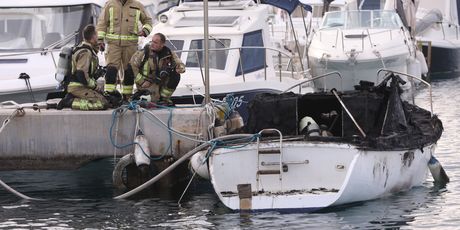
(82, 198)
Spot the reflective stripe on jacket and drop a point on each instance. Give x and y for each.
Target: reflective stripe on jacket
(120, 23)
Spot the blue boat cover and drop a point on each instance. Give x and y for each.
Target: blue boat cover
(287, 5)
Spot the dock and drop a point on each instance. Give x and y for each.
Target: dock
(67, 139)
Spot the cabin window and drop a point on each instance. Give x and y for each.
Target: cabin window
(217, 53)
(252, 58)
(35, 28)
(175, 45)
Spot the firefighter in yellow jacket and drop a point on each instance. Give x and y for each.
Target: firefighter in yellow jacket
(156, 70)
(83, 92)
(120, 24)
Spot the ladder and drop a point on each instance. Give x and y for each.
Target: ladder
(269, 151)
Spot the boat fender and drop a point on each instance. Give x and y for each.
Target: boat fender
(414, 67)
(234, 123)
(117, 175)
(421, 59)
(199, 165)
(64, 64)
(437, 171)
(309, 127)
(141, 150)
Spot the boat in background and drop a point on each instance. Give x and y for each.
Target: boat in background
(31, 36)
(242, 58)
(437, 29)
(357, 43)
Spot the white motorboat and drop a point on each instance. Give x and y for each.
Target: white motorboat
(242, 60)
(438, 29)
(31, 35)
(325, 149)
(359, 42)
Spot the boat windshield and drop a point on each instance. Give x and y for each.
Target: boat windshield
(36, 28)
(376, 19)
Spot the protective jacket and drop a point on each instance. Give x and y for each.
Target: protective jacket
(149, 68)
(120, 23)
(84, 66)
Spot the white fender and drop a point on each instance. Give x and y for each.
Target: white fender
(414, 67)
(421, 58)
(198, 164)
(141, 150)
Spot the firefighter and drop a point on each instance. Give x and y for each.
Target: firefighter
(156, 70)
(83, 92)
(120, 24)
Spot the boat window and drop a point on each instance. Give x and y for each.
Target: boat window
(34, 28)
(217, 58)
(362, 19)
(175, 45)
(252, 58)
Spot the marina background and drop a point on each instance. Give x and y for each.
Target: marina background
(83, 198)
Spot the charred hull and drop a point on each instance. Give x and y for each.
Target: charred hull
(388, 122)
(332, 149)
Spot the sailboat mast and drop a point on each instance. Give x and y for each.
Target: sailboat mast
(207, 98)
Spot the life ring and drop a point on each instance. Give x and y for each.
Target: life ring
(117, 175)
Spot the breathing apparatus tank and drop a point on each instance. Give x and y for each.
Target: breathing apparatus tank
(64, 64)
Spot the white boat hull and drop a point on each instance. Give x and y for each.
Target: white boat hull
(318, 174)
(353, 73)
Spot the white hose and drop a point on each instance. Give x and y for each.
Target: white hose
(18, 194)
(3, 184)
(177, 163)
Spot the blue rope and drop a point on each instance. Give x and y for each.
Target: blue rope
(114, 116)
(222, 144)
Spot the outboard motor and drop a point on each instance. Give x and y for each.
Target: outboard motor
(309, 127)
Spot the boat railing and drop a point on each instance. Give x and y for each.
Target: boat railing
(412, 77)
(282, 57)
(316, 78)
(449, 25)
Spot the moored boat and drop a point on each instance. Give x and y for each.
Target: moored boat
(31, 36)
(325, 149)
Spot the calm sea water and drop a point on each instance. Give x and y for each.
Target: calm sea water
(83, 198)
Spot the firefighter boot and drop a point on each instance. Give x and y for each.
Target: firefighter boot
(65, 102)
(165, 97)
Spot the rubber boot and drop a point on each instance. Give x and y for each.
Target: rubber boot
(128, 82)
(111, 79)
(65, 102)
(165, 97)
